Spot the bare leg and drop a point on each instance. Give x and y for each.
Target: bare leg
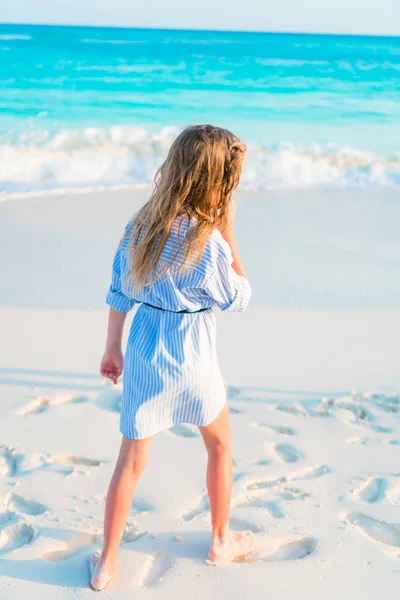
(217, 438)
(131, 462)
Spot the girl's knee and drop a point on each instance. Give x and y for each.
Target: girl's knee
(219, 447)
(135, 467)
(133, 455)
(218, 444)
(217, 435)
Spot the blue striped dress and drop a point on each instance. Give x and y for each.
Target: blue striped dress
(171, 371)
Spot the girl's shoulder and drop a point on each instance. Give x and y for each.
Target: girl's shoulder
(216, 248)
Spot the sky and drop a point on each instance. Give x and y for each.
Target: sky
(377, 17)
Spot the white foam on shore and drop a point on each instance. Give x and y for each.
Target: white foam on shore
(120, 155)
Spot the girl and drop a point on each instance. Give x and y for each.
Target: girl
(178, 259)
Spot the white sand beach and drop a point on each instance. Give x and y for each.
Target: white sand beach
(314, 373)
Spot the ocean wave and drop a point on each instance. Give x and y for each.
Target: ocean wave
(290, 62)
(133, 68)
(120, 155)
(10, 37)
(123, 42)
(346, 65)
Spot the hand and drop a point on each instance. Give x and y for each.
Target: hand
(112, 364)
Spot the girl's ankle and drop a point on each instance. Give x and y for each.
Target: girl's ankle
(110, 560)
(219, 536)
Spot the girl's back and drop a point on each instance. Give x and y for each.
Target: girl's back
(202, 284)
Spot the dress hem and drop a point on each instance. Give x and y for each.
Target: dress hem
(159, 430)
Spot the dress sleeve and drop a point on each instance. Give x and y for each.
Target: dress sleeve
(115, 297)
(229, 290)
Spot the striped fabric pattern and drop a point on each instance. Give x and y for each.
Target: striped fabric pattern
(171, 371)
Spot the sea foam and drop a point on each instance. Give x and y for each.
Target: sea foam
(120, 155)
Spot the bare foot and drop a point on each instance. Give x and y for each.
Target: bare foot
(234, 547)
(100, 574)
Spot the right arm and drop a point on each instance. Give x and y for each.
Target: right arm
(228, 285)
(228, 235)
(112, 362)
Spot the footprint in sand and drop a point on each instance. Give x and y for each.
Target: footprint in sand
(273, 505)
(371, 490)
(25, 505)
(68, 460)
(15, 533)
(320, 408)
(289, 493)
(186, 431)
(37, 406)
(73, 548)
(202, 507)
(393, 495)
(28, 463)
(42, 403)
(308, 473)
(86, 541)
(13, 464)
(72, 465)
(381, 429)
(273, 508)
(233, 392)
(281, 495)
(132, 534)
(237, 524)
(153, 570)
(288, 453)
(266, 483)
(290, 549)
(292, 409)
(20, 465)
(311, 472)
(262, 462)
(141, 505)
(355, 414)
(383, 402)
(235, 411)
(379, 531)
(281, 429)
(110, 400)
(239, 475)
(8, 461)
(358, 440)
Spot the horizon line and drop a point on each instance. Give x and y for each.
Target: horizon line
(193, 29)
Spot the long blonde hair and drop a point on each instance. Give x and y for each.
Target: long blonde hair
(196, 181)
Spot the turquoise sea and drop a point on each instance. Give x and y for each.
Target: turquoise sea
(88, 106)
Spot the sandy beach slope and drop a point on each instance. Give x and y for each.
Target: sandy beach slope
(313, 370)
